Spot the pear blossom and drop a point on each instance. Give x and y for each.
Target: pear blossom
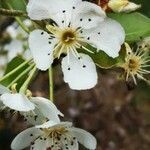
(54, 136)
(36, 110)
(136, 64)
(73, 25)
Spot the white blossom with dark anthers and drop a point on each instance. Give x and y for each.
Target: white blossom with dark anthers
(36, 110)
(54, 136)
(123, 5)
(76, 24)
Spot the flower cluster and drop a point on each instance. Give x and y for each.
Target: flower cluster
(48, 131)
(70, 30)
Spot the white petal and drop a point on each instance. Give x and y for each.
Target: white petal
(122, 5)
(4, 89)
(39, 144)
(85, 138)
(18, 102)
(38, 10)
(47, 124)
(87, 15)
(25, 138)
(71, 143)
(34, 117)
(14, 48)
(108, 36)
(79, 74)
(45, 9)
(47, 108)
(50, 124)
(41, 46)
(130, 7)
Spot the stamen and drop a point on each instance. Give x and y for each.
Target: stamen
(61, 50)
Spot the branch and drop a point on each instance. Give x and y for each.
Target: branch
(12, 13)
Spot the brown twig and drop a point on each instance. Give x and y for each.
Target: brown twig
(12, 13)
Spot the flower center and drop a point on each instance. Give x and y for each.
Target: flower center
(134, 64)
(55, 132)
(68, 37)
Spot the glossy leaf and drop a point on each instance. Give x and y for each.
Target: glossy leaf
(136, 25)
(15, 4)
(12, 65)
(102, 60)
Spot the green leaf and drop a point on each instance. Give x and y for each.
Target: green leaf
(135, 24)
(12, 65)
(15, 4)
(102, 60)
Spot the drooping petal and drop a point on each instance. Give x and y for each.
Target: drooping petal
(41, 45)
(4, 89)
(80, 73)
(47, 124)
(34, 117)
(108, 36)
(85, 138)
(47, 108)
(87, 15)
(50, 124)
(46, 9)
(25, 138)
(18, 102)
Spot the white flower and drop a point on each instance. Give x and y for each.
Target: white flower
(54, 136)
(76, 24)
(122, 5)
(16, 46)
(35, 109)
